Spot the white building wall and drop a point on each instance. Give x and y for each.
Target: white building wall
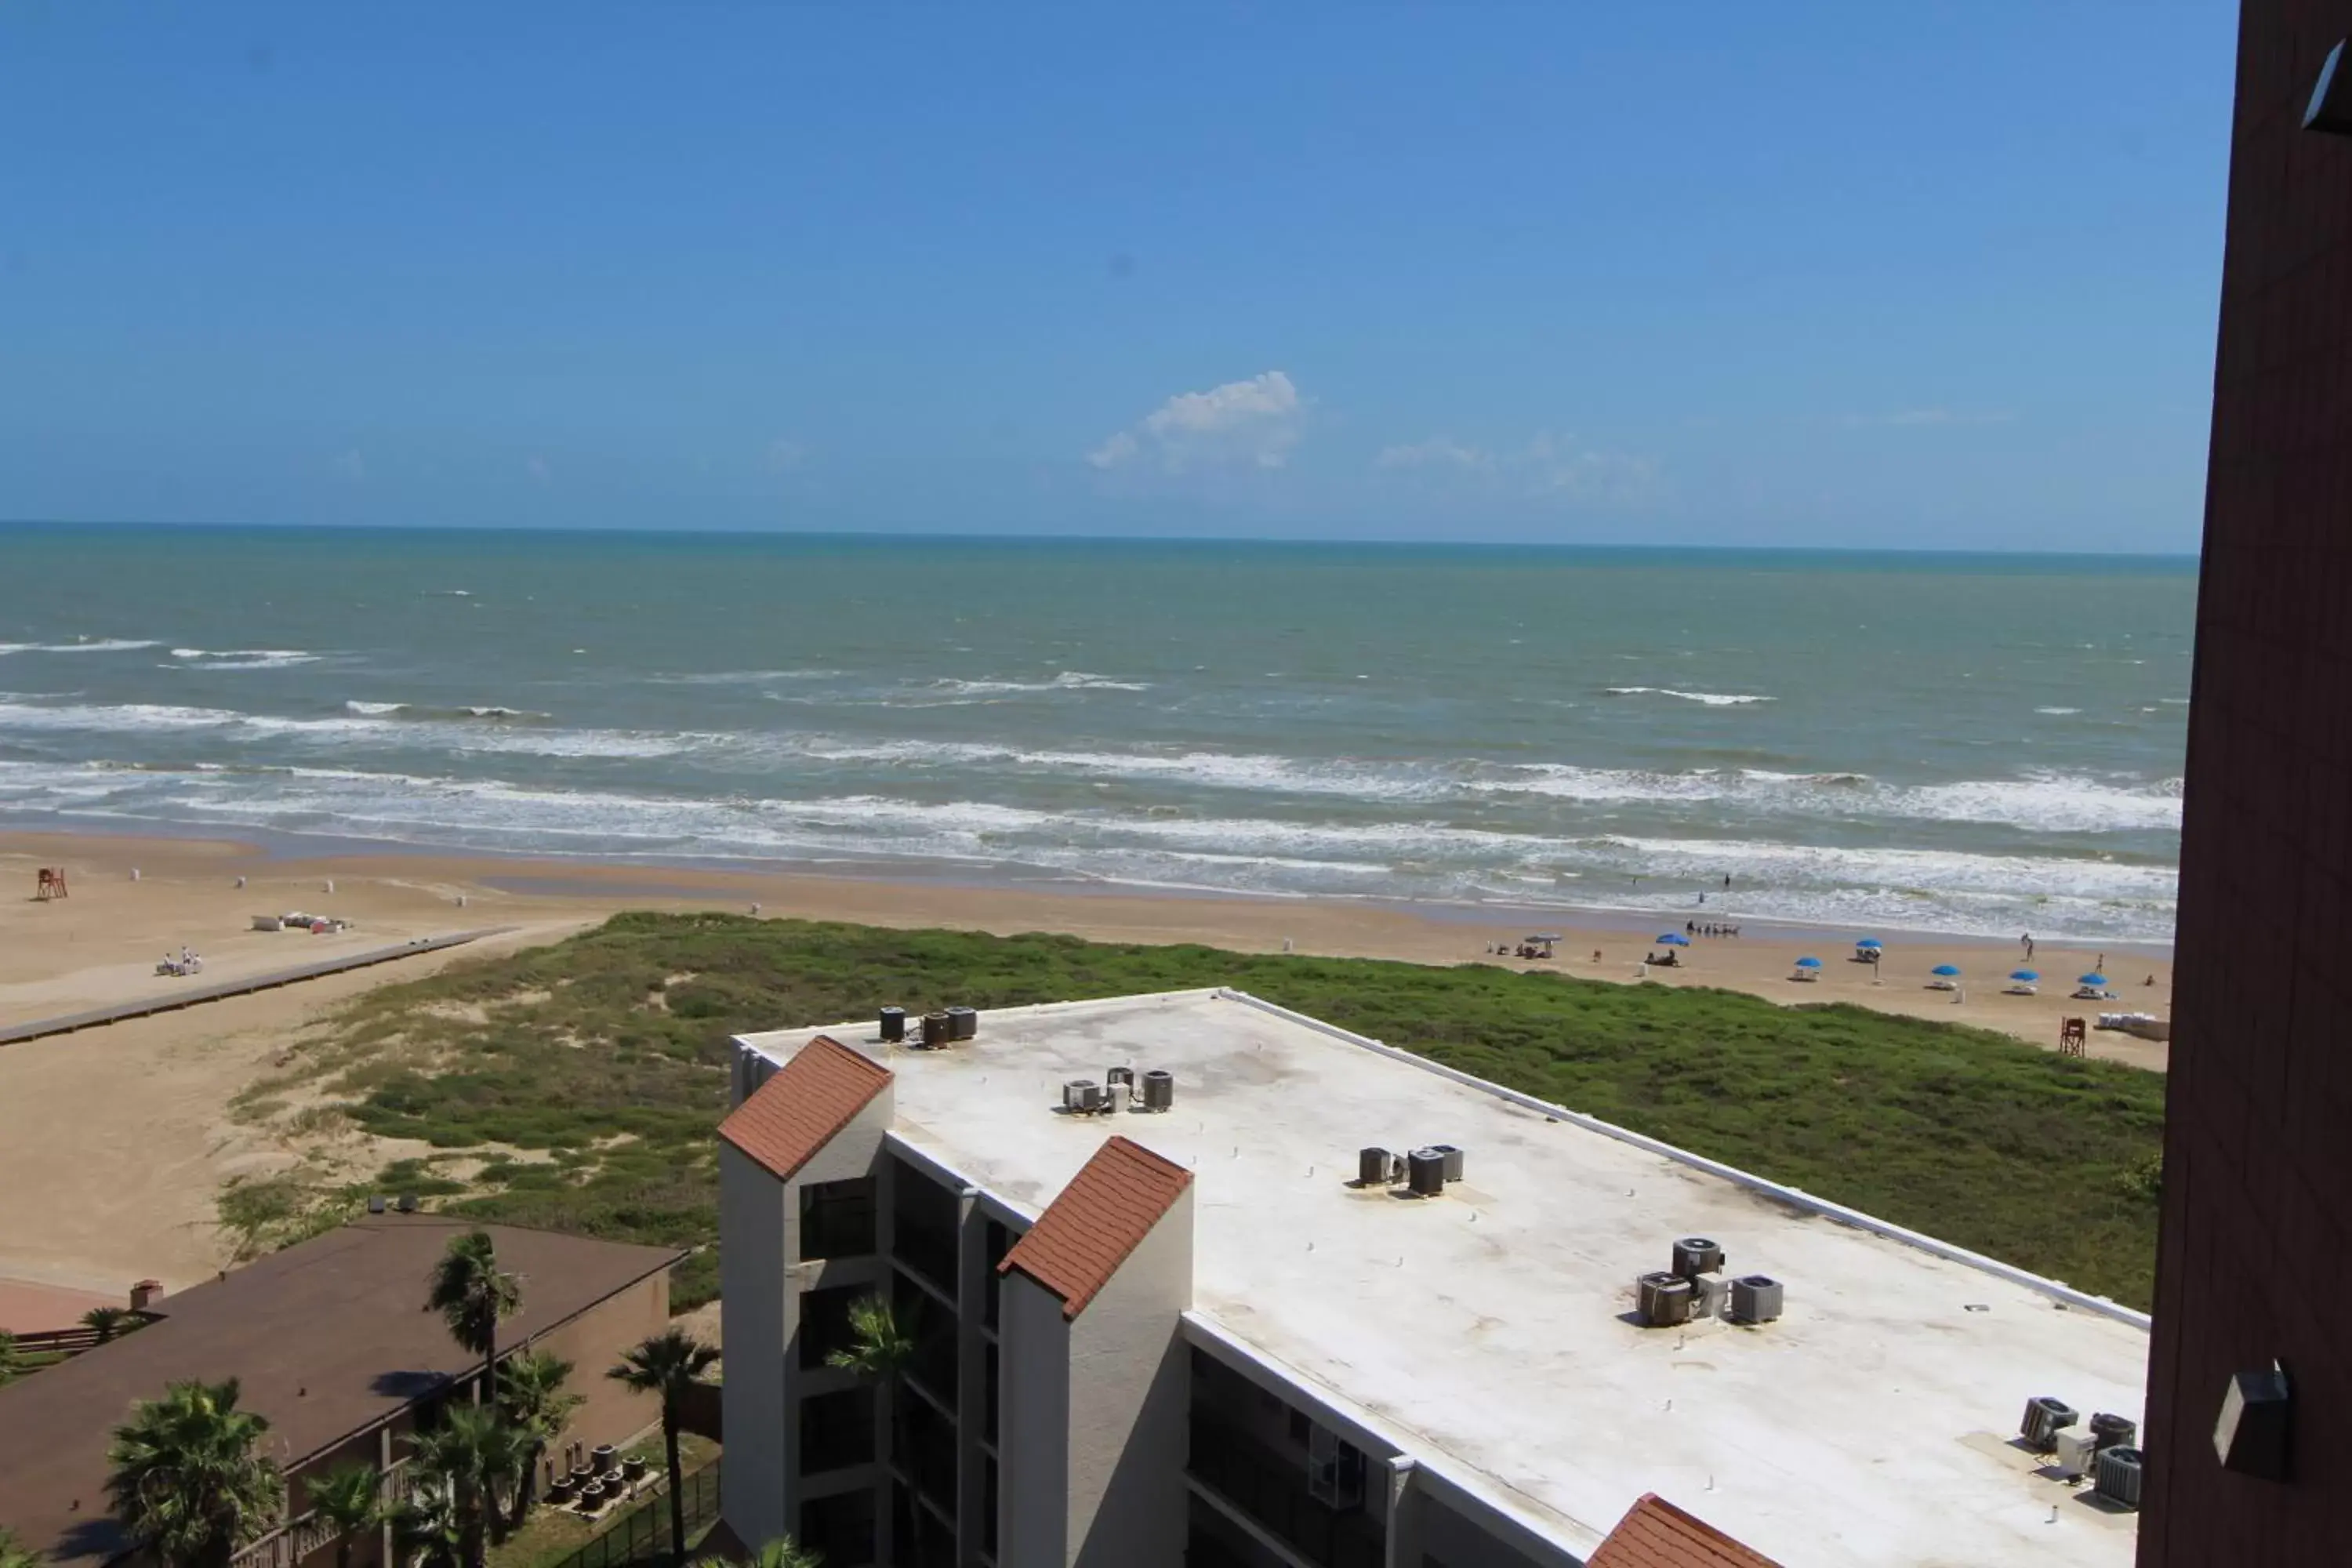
(752, 1333)
(1130, 1397)
(1033, 1474)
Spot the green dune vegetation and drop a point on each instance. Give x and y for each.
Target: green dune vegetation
(576, 1086)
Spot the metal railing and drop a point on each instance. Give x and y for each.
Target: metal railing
(642, 1534)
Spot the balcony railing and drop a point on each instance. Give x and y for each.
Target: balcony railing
(1269, 1486)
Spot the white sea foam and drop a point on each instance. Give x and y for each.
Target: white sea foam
(1067, 680)
(462, 711)
(244, 658)
(2059, 712)
(94, 645)
(1711, 698)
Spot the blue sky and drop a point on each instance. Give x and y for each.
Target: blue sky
(1908, 275)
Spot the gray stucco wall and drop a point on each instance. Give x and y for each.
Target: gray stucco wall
(1128, 1398)
(751, 1337)
(1033, 1477)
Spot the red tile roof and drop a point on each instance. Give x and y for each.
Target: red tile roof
(1105, 1213)
(1655, 1534)
(803, 1104)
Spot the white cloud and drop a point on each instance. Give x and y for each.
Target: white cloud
(1564, 467)
(353, 466)
(1561, 467)
(1438, 451)
(539, 470)
(1248, 424)
(1925, 417)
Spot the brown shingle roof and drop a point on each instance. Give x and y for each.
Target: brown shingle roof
(806, 1102)
(1105, 1213)
(1655, 1534)
(328, 1339)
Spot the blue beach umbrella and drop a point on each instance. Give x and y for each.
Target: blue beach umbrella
(2025, 974)
(1945, 970)
(1674, 939)
(1809, 963)
(2092, 980)
(1869, 941)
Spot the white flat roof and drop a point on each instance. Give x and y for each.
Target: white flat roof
(1489, 1331)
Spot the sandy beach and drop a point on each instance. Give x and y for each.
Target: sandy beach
(114, 1142)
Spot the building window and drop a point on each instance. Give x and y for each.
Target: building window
(990, 1430)
(925, 1219)
(923, 1445)
(933, 1329)
(988, 1507)
(1001, 1237)
(836, 1430)
(840, 1528)
(1298, 1482)
(825, 1322)
(921, 1538)
(837, 1219)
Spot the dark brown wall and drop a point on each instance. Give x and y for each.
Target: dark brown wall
(2256, 1255)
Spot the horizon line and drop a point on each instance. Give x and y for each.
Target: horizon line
(937, 536)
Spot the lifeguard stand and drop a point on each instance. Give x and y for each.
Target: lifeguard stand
(2072, 1037)
(51, 884)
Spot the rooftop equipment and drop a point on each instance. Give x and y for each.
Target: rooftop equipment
(1663, 1298)
(1375, 1167)
(894, 1025)
(2110, 1431)
(1424, 1172)
(1082, 1097)
(1696, 1254)
(2045, 1417)
(2077, 1455)
(1452, 1161)
(1709, 1293)
(2119, 1476)
(1159, 1089)
(1754, 1298)
(936, 1031)
(963, 1022)
(1120, 1075)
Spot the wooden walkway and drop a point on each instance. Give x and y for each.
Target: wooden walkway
(11, 1034)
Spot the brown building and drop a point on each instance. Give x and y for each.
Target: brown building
(2256, 1255)
(330, 1342)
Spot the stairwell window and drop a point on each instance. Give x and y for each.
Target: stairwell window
(837, 1219)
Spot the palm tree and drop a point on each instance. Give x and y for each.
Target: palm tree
(188, 1477)
(781, 1553)
(14, 1553)
(424, 1525)
(108, 1320)
(664, 1363)
(879, 1349)
(533, 1400)
(472, 1294)
(470, 1454)
(350, 1498)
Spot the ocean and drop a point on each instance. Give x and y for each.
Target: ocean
(1964, 743)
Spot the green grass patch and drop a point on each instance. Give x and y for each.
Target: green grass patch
(587, 1052)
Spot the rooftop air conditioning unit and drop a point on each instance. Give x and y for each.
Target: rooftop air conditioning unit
(1375, 1167)
(1710, 1293)
(2045, 1417)
(1696, 1254)
(1335, 1469)
(1754, 1298)
(2118, 1477)
(1081, 1097)
(2114, 1431)
(1663, 1298)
